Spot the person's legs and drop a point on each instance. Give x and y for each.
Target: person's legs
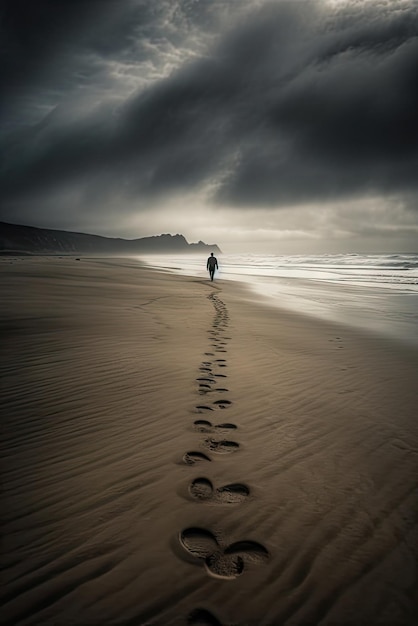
(211, 272)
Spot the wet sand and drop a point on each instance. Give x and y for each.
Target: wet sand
(175, 452)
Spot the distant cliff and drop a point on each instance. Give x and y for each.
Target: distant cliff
(28, 239)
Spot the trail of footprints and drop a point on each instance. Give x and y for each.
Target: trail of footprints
(219, 560)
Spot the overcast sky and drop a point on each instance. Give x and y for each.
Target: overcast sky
(281, 126)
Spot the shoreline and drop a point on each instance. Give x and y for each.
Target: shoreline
(307, 514)
(386, 310)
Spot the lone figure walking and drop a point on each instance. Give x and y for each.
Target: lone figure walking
(211, 264)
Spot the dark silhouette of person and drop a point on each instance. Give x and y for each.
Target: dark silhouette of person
(211, 264)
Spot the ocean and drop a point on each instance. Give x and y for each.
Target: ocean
(375, 292)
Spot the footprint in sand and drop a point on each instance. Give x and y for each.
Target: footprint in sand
(191, 458)
(204, 426)
(222, 404)
(221, 446)
(201, 617)
(218, 404)
(203, 489)
(222, 562)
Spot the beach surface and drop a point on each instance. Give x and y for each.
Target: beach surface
(175, 452)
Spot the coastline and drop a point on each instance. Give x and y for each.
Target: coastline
(376, 294)
(104, 516)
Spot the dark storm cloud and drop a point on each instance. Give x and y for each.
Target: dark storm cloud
(297, 102)
(331, 103)
(36, 37)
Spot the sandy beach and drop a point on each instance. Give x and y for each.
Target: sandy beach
(175, 452)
